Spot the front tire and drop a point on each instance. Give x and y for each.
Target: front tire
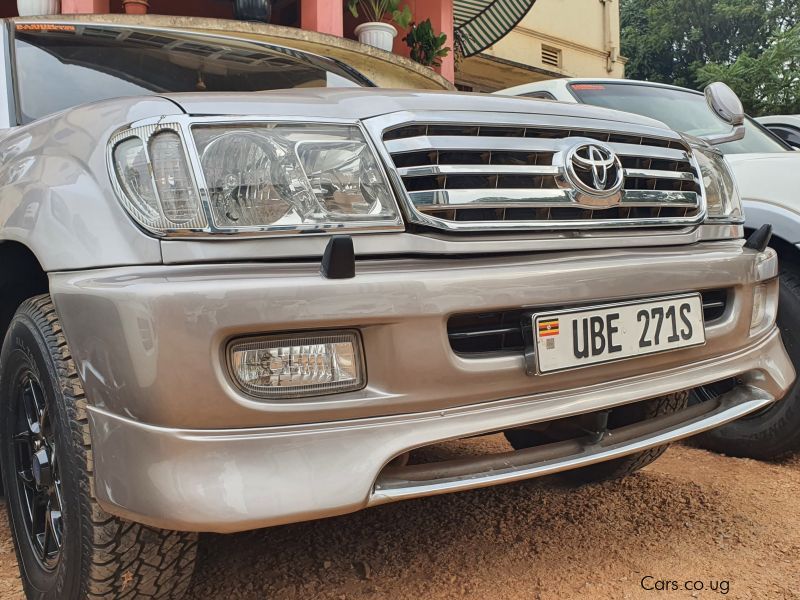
(775, 431)
(66, 545)
(619, 417)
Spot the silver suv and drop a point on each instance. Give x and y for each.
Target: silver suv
(227, 306)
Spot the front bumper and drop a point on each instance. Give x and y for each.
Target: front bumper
(170, 431)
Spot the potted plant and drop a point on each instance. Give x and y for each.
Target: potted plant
(376, 31)
(427, 48)
(136, 7)
(253, 10)
(28, 8)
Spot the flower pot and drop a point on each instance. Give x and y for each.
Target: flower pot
(253, 10)
(29, 8)
(136, 7)
(378, 35)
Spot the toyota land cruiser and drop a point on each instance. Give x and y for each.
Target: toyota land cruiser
(229, 306)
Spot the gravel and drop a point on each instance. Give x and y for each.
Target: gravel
(692, 516)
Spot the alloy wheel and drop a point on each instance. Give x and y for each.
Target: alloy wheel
(38, 482)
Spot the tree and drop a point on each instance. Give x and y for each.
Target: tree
(767, 84)
(690, 42)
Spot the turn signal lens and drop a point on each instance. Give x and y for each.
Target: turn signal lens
(133, 173)
(765, 307)
(759, 307)
(155, 182)
(174, 181)
(299, 365)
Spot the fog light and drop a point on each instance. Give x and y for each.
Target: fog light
(298, 365)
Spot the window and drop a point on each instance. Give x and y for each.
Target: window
(682, 110)
(540, 95)
(58, 67)
(788, 133)
(551, 56)
(475, 88)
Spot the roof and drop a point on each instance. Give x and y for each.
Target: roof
(779, 120)
(543, 85)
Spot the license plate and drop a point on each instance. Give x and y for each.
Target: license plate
(570, 339)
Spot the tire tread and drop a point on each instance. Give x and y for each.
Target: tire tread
(627, 465)
(775, 432)
(119, 558)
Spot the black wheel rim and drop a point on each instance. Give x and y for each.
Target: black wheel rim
(36, 464)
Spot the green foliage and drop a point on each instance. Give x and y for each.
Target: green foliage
(378, 10)
(769, 83)
(427, 48)
(749, 44)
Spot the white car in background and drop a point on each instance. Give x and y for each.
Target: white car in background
(786, 127)
(767, 172)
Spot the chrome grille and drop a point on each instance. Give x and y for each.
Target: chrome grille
(507, 176)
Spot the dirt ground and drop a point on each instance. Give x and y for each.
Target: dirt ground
(712, 521)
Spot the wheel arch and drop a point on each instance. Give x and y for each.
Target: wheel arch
(21, 277)
(785, 227)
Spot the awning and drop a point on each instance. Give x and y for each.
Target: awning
(481, 23)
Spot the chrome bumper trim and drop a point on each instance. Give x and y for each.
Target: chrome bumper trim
(513, 466)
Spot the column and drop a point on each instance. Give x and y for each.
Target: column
(324, 16)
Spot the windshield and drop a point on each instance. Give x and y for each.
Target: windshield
(683, 111)
(61, 66)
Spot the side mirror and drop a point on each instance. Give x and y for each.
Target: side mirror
(724, 103)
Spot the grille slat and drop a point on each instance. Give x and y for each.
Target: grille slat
(491, 169)
(659, 199)
(542, 198)
(451, 142)
(514, 144)
(515, 176)
(660, 174)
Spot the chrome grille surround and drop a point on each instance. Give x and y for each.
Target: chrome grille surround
(479, 171)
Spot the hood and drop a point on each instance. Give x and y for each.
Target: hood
(773, 178)
(365, 103)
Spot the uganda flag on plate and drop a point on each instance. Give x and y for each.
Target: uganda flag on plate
(548, 327)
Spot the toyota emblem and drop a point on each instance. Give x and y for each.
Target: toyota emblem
(594, 169)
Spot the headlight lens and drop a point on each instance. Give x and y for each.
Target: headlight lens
(258, 178)
(722, 195)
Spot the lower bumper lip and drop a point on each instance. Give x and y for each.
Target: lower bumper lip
(403, 483)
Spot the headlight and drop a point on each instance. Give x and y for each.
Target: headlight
(268, 178)
(722, 195)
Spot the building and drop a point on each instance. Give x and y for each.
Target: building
(500, 43)
(556, 38)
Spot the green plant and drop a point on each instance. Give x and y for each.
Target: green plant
(427, 48)
(752, 45)
(377, 10)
